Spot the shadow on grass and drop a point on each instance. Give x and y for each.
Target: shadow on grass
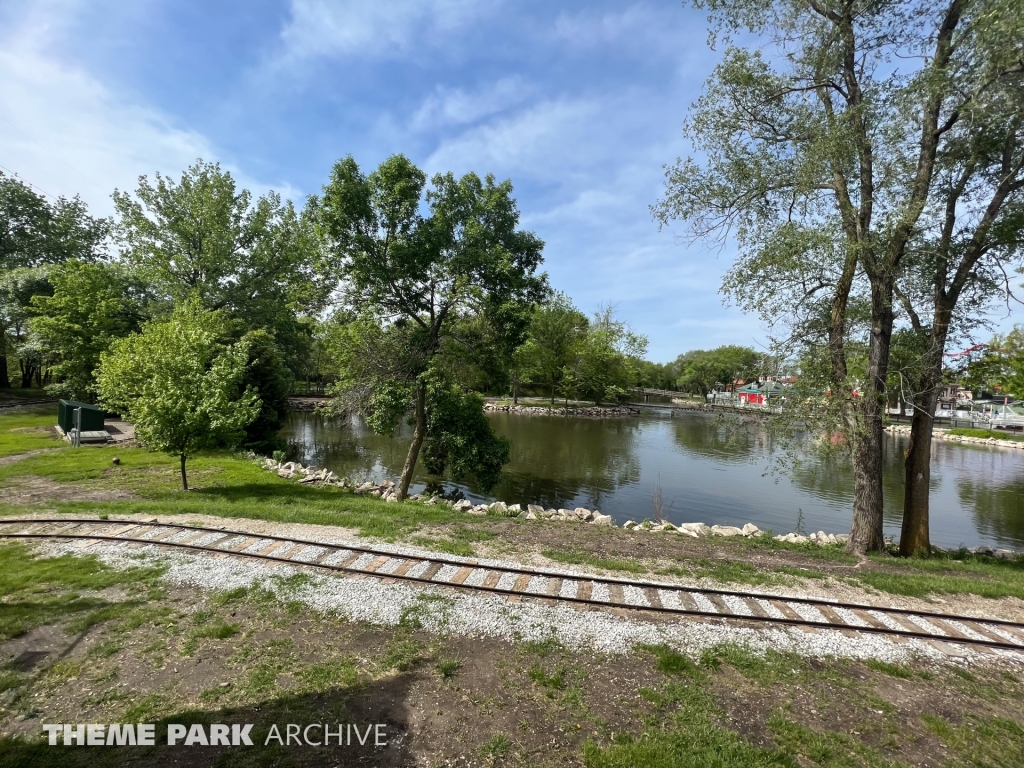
(382, 702)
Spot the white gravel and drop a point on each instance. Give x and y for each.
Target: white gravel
(482, 615)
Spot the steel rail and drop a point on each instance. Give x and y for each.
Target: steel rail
(590, 602)
(813, 601)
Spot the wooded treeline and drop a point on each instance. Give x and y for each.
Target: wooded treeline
(198, 309)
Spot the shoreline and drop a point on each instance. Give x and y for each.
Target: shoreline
(943, 435)
(385, 490)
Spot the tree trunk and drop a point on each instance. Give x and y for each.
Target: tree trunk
(184, 479)
(5, 379)
(418, 434)
(866, 531)
(515, 390)
(914, 536)
(26, 375)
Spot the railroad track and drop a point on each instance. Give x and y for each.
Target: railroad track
(518, 583)
(19, 403)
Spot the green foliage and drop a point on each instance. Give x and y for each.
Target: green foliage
(556, 330)
(412, 282)
(1001, 368)
(605, 360)
(178, 384)
(460, 438)
(268, 375)
(700, 371)
(35, 232)
(203, 238)
(91, 305)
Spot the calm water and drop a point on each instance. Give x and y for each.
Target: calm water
(707, 472)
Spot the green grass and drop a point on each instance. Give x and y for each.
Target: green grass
(28, 431)
(951, 573)
(738, 572)
(35, 590)
(980, 741)
(985, 434)
(447, 668)
(669, 661)
(554, 681)
(577, 557)
(224, 486)
(893, 670)
(687, 733)
(497, 746)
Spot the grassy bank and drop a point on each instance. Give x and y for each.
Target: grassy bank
(125, 647)
(985, 434)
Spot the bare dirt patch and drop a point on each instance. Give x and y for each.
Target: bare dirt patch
(35, 491)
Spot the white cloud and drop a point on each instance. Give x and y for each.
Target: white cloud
(526, 142)
(64, 131)
(455, 106)
(638, 27)
(346, 27)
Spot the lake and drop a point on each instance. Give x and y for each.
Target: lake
(707, 471)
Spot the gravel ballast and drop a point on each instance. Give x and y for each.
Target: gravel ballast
(491, 616)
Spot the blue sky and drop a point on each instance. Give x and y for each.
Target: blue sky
(579, 104)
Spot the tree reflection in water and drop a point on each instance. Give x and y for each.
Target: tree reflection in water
(714, 469)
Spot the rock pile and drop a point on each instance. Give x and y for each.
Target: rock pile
(305, 404)
(537, 410)
(291, 470)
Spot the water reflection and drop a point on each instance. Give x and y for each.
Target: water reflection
(708, 470)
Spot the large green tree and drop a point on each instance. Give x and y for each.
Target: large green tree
(35, 233)
(701, 370)
(255, 260)
(820, 152)
(91, 305)
(413, 262)
(179, 384)
(556, 331)
(606, 360)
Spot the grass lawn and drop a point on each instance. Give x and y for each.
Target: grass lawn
(28, 431)
(123, 646)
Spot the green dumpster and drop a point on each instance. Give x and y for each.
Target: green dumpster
(92, 416)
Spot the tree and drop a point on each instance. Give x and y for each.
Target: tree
(17, 287)
(179, 384)
(556, 330)
(1001, 367)
(701, 370)
(33, 234)
(411, 277)
(91, 305)
(606, 361)
(268, 375)
(824, 147)
(203, 237)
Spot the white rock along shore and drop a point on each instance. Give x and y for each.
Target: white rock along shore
(386, 490)
(944, 434)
